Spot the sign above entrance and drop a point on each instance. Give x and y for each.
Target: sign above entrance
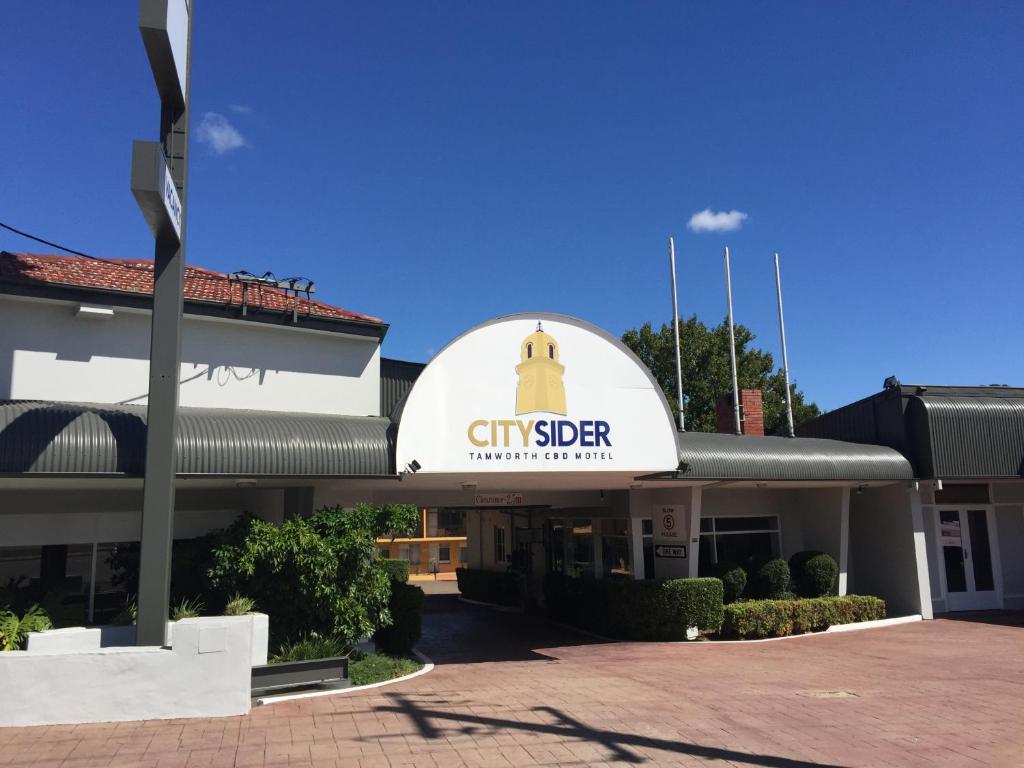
(498, 500)
(536, 392)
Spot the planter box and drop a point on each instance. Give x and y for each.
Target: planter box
(292, 674)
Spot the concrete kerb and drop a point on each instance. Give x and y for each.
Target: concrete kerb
(428, 666)
(494, 606)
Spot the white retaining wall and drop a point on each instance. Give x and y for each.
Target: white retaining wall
(67, 677)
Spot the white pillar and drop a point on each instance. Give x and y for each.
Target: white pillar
(924, 586)
(693, 549)
(844, 540)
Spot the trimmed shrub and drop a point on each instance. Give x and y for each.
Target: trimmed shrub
(752, 619)
(497, 587)
(635, 610)
(376, 668)
(819, 576)
(771, 581)
(406, 608)
(734, 581)
(398, 570)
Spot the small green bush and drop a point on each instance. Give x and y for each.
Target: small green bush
(310, 648)
(406, 608)
(239, 605)
(498, 587)
(734, 581)
(14, 629)
(751, 619)
(188, 609)
(398, 570)
(819, 576)
(771, 581)
(635, 610)
(376, 668)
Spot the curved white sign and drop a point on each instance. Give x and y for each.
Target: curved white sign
(536, 393)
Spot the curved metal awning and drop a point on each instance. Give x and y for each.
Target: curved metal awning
(968, 436)
(712, 456)
(48, 438)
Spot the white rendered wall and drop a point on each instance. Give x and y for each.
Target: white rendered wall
(49, 354)
(206, 673)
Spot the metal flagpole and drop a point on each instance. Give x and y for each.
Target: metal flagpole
(732, 348)
(675, 328)
(785, 355)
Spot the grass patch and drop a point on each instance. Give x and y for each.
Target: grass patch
(365, 669)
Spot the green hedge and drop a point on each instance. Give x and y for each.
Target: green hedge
(734, 580)
(814, 573)
(398, 570)
(635, 610)
(752, 619)
(498, 587)
(771, 580)
(406, 607)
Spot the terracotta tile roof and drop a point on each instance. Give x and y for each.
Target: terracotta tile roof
(135, 276)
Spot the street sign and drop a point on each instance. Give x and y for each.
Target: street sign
(164, 28)
(664, 550)
(154, 188)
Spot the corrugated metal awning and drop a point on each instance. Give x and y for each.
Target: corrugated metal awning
(965, 436)
(48, 438)
(707, 456)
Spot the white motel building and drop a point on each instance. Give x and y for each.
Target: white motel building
(544, 435)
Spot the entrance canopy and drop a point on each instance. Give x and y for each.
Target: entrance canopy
(536, 393)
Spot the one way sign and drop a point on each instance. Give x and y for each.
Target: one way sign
(663, 550)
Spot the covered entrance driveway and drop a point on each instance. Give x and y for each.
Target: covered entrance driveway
(941, 693)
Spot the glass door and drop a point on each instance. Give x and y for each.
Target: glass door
(966, 542)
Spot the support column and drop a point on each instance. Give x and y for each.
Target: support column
(298, 502)
(636, 547)
(844, 540)
(924, 586)
(693, 548)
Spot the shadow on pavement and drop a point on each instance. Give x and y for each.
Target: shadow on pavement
(459, 633)
(1000, 618)
(433, 723)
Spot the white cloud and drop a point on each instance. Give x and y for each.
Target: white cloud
(217, 132)
(716, 221)
(241, 109)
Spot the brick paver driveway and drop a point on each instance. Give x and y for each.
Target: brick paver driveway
(512, 691)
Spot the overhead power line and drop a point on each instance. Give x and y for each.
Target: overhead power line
(72, 250)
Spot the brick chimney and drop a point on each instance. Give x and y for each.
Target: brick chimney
(751, 413)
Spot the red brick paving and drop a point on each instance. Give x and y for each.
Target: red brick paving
(941, 693)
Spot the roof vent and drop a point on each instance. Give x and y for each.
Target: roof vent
(891, 383)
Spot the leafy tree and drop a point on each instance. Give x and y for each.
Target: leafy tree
(310, 574)
(393, 521)
(706, 373)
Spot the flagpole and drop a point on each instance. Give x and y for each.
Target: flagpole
(732, 348)
(675, 328)
(785, 355)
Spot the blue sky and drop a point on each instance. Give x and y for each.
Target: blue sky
(437, 164)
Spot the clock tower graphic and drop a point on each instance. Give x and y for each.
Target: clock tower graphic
(540, 385)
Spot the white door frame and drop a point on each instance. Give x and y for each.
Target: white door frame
(972, 599)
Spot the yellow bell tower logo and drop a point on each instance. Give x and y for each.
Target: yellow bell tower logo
(540, 375)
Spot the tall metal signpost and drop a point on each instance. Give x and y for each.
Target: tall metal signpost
(159, 174)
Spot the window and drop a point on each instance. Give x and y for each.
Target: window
(615, 547)
(556, 546)
(551, 351)
(444, 553)
(746, 541)
(582, 543)
(384, 551)
(499, 545)
(529, 350)
(450, 522)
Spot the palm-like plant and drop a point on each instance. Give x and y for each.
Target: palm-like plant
(14, 630)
